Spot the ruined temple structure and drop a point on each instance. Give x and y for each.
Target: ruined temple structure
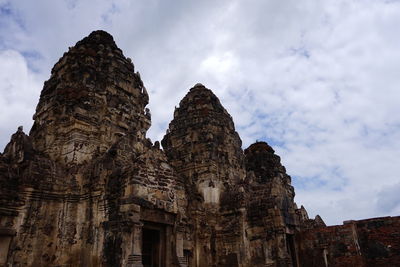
(87, 188)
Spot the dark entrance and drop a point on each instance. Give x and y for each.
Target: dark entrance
(291, 248)
(153, 248)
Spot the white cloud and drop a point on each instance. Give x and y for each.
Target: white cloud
(317, 79)
(19, 90)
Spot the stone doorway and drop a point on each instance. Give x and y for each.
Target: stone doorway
(153, 246)
(291, 249)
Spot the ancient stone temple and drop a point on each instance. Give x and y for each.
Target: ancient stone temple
(87, 188)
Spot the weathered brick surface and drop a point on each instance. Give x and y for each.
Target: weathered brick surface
(379, 240)
(371, 242)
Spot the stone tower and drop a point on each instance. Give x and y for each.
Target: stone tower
(203, 146)
(91, 99)
(205, 150)
(270, 208)
(86, 185)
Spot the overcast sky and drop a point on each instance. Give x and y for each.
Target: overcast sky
(318, 80)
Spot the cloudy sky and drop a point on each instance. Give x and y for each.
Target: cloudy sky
(318, 80)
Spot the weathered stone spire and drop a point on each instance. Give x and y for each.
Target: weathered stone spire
(202, 144)
(264, 163)
(91, 99)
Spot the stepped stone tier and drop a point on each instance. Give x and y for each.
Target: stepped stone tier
(87, 188)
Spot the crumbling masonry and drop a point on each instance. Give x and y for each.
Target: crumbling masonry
(87, 188)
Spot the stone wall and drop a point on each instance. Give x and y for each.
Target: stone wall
(371, 242)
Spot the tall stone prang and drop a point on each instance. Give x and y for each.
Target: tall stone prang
(86, 185)
(205, 150)
(92, 98)
(87, 188)
(203, 146)
(271, 210)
